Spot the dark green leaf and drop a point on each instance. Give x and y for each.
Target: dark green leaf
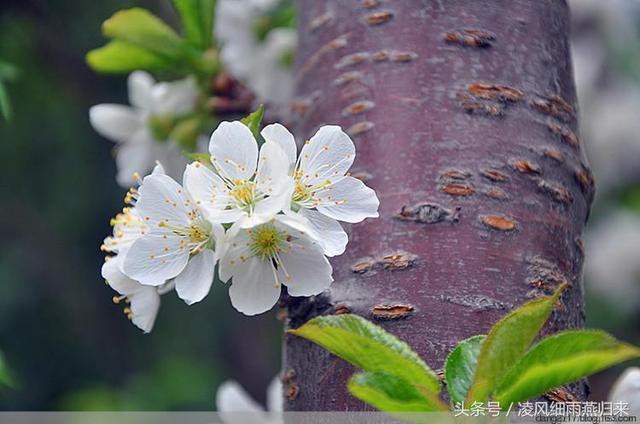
(197, 20)
(254, 122)
(142, 28)
(507, 342)
(460, 366)
(389, 393)
(369, 347)
(119, 57)
(561, 359)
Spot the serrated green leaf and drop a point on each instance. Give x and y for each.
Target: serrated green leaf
(561, 359)
(389, 393)
(460, 367)
(142, 28)
(119, 57)
(369, 347)
(254, 122)
(507, 342)
(197, 20)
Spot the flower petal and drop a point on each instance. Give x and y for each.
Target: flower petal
(236, 254)
(234, 151)
(140, 84)
(116, 279)
(155, 258)
(327, 232)
(273, 166)
(206, 188)
(194, 283)
(145, 304)
(306, 271)
(174, 98)
(115, 122)
(134, 156)
(267, 209)
(231, 397)
(278, 134)
(274, 395)
(348, 200)
(329, 154)
(253, 289)
(162, 200)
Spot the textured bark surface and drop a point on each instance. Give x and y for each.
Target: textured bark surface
(464, 117)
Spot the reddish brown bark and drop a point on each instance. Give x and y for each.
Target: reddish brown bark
(464, 117)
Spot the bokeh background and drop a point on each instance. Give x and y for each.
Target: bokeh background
(70, 348)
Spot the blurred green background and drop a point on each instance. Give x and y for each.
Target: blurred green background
(70, 348)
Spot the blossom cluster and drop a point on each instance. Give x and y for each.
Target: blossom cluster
(262, 217)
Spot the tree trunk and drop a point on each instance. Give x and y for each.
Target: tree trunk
(463, 113)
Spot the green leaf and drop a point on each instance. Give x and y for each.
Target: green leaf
(142, 28)
(5, 375)
(507, 342)
(369, 347)
(121, 57)
(460, 366)
(561, 359)
(203, 158)
(5, 104)
(197, 20)
(389, 393)
(8, 72)
(254, 122)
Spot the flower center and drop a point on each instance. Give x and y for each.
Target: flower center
(195, 236)
(305, 194)
(243, 192)
(266, 241)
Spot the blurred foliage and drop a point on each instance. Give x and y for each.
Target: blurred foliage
(67, 345)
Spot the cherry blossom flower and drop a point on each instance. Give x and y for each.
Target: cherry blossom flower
(231, 399)
(260, 259)
(626, 389)
(180, 243)
(323, 191)
(242, 189)
(136, 129)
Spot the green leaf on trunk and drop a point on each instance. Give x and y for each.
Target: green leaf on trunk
(390, 393)
(561, 359)
(254, 122)
(140, 27)
(460, 367)
(121, 57)
(507, 342)
(369, 347)
(197, 20)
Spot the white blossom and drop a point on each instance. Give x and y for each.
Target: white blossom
(261, 64)
(180, 243)
(626, 389)
(243, 189)
(323, 191)
(260, 259)
(131, 127)
(232, 399)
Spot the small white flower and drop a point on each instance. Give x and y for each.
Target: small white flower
(262, 65)
(232, 398)
(245, 190)
(324, 193)
(180, 244)
(261, 258)
(626, 389)
(131, 126)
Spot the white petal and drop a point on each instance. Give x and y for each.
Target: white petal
(231, 397)
(274, 395)
(273, 169)
(207, 189)
(194, 283)
(116, 279)
(253, 289)
(145, 304)
(278, 134)
(158, 169)
(155, 258)
(236, 254)
(627, 389)
(140, 84)
(134, 156)
(327, 232)
(115, 122)
(348, 200)
(267, 209)
(329, 154)
(308, 271)
(161, 199)
(174, 98)
(234, 151)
